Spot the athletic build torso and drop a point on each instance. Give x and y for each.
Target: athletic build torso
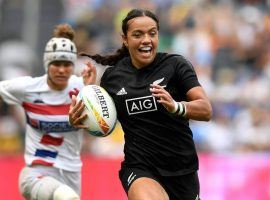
(154, 137)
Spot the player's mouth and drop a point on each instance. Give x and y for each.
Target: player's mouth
(146, 51)
(61, 78)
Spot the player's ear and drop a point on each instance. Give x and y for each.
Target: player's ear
(124, 39)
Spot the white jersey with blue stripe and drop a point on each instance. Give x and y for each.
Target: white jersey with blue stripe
(50, 140)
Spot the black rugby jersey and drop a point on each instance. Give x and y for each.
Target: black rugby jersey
(154, 138)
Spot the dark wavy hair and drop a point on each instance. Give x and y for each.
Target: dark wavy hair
(123, 51)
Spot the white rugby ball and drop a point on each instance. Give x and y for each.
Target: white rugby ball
(100, 110)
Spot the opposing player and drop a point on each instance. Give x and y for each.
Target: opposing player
(155, 96)
(52, 146)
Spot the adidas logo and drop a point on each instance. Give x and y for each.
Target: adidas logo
(121, 92)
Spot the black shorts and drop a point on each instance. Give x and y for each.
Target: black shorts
(184, 187)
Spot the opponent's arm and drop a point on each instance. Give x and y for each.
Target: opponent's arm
(89, 74)
(13, 91)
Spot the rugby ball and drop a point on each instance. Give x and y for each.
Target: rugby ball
(100, 110)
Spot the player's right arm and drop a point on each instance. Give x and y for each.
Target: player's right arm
(75, 113)
(13, 91)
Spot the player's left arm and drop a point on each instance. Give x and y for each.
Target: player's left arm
(198, 106)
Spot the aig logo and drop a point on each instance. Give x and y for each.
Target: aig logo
(141, 105)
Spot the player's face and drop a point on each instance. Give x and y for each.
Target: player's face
(142, 40)
(59, 73)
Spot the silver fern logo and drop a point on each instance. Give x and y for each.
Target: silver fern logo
(159, 81)
(131, 178)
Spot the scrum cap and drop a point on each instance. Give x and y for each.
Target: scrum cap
(59, 49)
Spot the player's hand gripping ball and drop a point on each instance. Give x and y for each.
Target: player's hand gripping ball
(100, 110)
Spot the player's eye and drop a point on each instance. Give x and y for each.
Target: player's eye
(153, 33)
(137, 34)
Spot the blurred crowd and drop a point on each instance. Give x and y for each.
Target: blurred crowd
(227, 41)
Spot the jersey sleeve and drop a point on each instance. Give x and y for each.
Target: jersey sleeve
(76, 81)
(185, 74)
(104, 77)
(13, 91)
